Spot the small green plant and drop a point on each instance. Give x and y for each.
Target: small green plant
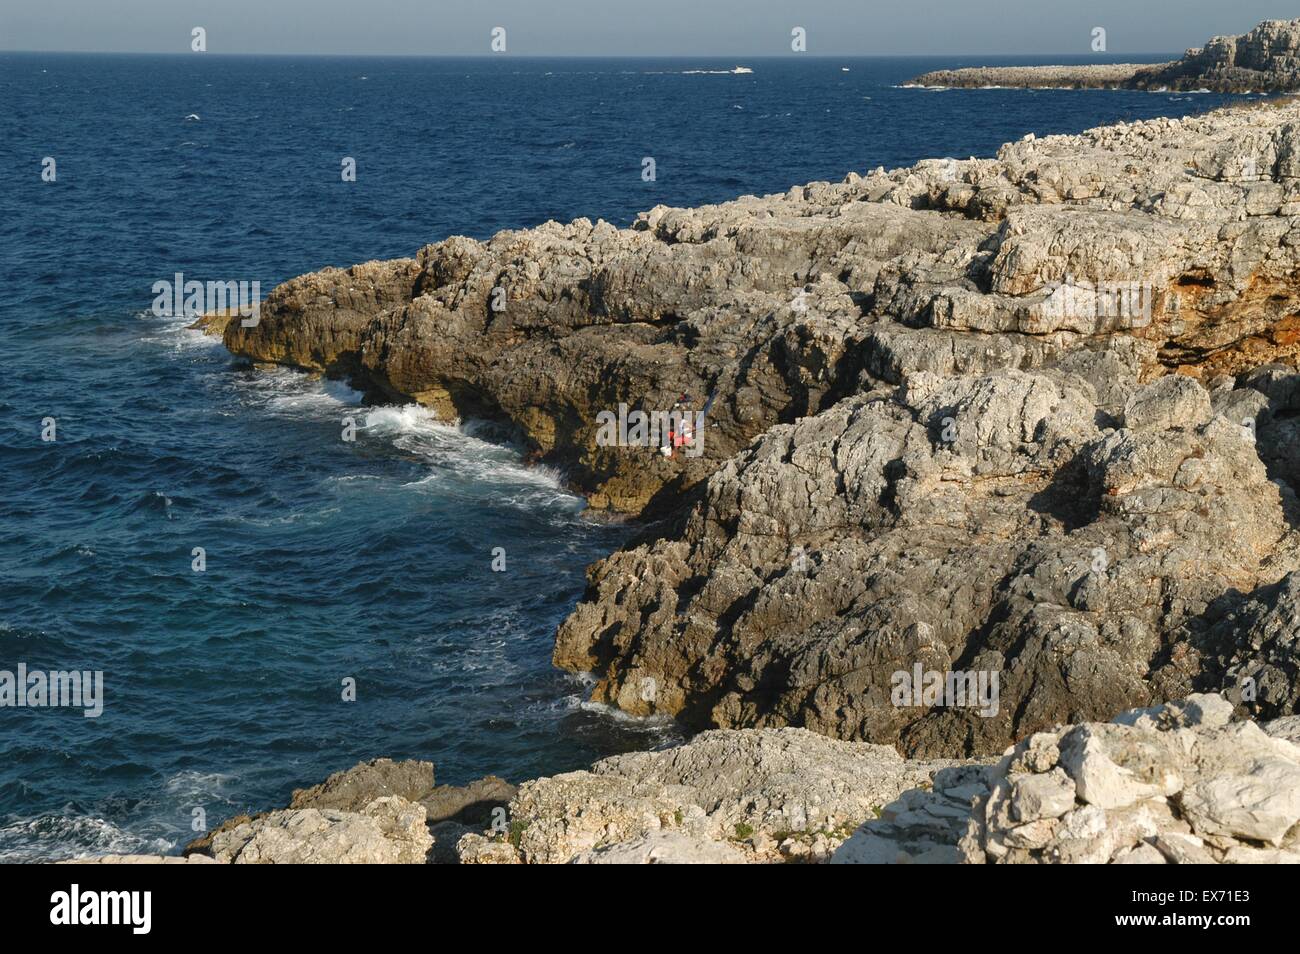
(678, 816)
(517, 829)
(743, 831)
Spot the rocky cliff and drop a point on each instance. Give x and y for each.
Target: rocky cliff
(1265, 60)
(1176, 784)
(1032, 415)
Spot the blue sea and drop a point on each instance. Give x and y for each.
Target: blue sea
(326, 560)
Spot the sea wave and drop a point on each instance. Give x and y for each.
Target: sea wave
(653, 724)
(458, 452)
(290, 392)
(56, 837)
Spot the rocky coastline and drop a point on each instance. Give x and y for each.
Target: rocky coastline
(1034, 415)
(1265, 60)
(1181, 783)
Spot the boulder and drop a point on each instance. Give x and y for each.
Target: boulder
(357, 787)
(388, 830)
(1176, 784)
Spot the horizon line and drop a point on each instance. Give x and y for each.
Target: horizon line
(564, 56)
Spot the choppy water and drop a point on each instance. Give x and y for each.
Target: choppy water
(329, 560)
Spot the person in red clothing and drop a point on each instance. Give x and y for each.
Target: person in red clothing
(680, 431)
(686, 428)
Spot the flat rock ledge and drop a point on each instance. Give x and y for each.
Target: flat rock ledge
(1265, 60)
(1178, 783)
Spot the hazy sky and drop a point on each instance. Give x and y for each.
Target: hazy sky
(616, 27)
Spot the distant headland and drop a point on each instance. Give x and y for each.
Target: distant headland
(1265, 60)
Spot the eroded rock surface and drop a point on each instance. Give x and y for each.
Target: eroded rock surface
(1078, 522)
(1175, 784)
(355, 788)
(1047, 542)
(725, 797)
(388, 830)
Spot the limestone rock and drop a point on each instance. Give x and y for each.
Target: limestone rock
(1288, 729)
(1254, 648)
(360, 785)
(981, 517)
(1083, 76)
(664, 848)
(1172, 785)
(389, 830)
(757, 796)
(446, 836)
(475, 849)
(472, 803)
(1039, 797)
(1167, 403)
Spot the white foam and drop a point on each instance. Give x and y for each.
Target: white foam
(735, 71)
(456, 451)
(396, 420)
(198, 787)
(283, 390)
(652, 723)
(175, 332)
(57, 837)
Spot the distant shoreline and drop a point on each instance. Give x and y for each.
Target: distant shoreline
(1106, 76)
(1260, 61)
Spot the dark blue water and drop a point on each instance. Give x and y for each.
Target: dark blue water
(329, 560)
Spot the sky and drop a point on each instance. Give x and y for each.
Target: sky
(627, 27)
